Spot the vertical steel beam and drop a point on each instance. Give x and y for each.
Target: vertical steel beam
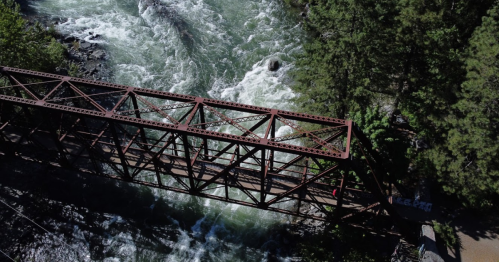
(137, 115)
(157, 171)
(188, 163)
(64, 161)
(302, 191)
(205, 140)
(272, 136)
(263, 176)
(339, 203)
(117, 144)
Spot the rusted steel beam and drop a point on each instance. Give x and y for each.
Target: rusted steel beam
(121, 101)
(70, 129)
(137, 115)
(183, 98)
(132, 140)
(193, 112)
(263, 175)
(55, 89)
(189, 165)
(341, 193)
(13, 79)
(203, 126)
(287, 148)
(233, 123)
(228, 168)
(86, 97)
(155, 108)
(155, 156)
(303, 184)
(360, 211)
(236, 120)
(117, 144)
(300, 157)
(253, 128)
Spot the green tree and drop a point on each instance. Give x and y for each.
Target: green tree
(23, 46)
(431, 38)
(468, 164)
(392, 145)
(347, 63)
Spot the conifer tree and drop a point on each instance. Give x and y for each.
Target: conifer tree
(431, 38)
(468, 164)
(348, 63)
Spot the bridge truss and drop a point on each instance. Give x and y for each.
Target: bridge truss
(209, 148)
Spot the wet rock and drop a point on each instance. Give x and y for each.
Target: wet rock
(95, 37)
(273, 65)
(69, 39)
(170, 14)
(98, 54)
(85, 45)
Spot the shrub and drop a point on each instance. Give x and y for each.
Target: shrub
(23, 46)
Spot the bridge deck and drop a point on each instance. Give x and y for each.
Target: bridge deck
(172, 165)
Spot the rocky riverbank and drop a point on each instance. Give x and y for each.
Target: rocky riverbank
(86, 58)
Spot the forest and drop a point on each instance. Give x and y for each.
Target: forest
(412, 71)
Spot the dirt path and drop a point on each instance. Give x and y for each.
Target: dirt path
(479, 239)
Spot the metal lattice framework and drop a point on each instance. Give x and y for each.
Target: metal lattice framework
(204, 147)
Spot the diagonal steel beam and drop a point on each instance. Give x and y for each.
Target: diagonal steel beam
(12, 78)
(316, 139)
(303, 185)
(86, 97)
(298, 158)
(227, 148)
(156, 155)
(155, 108)
(232, 122)
(226, 170)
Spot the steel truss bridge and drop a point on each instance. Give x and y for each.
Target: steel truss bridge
(209, 148)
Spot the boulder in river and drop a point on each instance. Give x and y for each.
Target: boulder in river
(273, 65)
(170, 14)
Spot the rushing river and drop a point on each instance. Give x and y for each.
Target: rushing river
(220, 50)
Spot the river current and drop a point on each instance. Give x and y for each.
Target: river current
(221, 50)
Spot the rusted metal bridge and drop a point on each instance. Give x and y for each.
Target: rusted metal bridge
(199, 146)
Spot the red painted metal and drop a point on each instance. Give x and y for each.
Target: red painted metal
(146, 136)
